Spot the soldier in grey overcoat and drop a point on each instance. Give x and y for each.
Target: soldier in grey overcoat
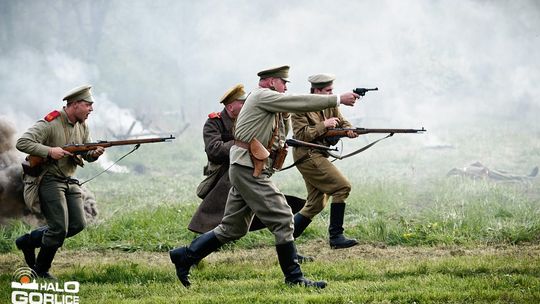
(261, 123)
(59, 193)
(218, 139)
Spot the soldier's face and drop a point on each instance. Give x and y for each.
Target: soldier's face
(234, 108)
(82, 110)
(329, 90)
(279, 85)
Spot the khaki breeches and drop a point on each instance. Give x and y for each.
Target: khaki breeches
(322, 180)
(251, 196)
(62, 206)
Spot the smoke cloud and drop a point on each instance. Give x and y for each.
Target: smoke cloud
(434, 62)
(438, 64)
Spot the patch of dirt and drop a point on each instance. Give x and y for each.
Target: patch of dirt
(318, 249)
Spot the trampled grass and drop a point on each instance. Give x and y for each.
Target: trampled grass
(358, 275)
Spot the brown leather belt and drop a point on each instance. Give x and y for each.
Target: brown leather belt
(241, 144)
(245, 145)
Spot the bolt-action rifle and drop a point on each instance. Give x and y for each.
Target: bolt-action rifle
(298, 143)
(332, 136)
(33, 163)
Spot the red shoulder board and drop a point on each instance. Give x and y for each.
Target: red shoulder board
(52, 116)
(214, 115)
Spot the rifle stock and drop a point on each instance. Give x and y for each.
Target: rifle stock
(33, 161)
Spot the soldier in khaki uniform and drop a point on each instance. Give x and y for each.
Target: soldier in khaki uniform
(260, 132)
(59, 194)
(322, 178)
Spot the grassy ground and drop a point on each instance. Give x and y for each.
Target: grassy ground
(366, 273)
(449, 274)
(425, 237)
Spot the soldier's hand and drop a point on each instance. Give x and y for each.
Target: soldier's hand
(351, 134)
(348, 98)
(57, 153)
(97, 152)
(331, 122)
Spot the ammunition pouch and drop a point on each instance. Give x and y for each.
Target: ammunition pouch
(31, 171)
(31, 190)
(259, 154)
(213, 173)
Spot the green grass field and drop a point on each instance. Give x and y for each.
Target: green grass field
(425, 237)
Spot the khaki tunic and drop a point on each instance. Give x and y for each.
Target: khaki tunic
(250, 195)
(56, 133)
(60, 197)
(218, 139)
(321, 177)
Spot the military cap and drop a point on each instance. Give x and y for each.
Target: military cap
(80, 93)
(319, 81)
(235, 93)
(278, 72)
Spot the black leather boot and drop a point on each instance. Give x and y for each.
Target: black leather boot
(185, 257)
(28, 244)
(300, 224)
(44, 261)
(337, 240)
(291, 269)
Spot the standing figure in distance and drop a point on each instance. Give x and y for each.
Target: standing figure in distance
(59, 193)
(259, 143)
(322, 178)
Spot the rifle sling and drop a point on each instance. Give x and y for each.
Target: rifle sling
(133, 150)
(364, 148)
(306, 156)
(299, 161)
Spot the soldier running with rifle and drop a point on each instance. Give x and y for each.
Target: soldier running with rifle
(56, 145)
(324, 180)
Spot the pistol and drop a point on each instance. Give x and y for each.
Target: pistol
(363, 91)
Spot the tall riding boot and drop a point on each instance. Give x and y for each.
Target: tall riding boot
(291, 269)
(337, 240)
(185, 257)
(28, 243)
(44, 261)
(300, 224)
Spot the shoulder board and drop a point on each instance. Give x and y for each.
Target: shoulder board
(52, 116)
(214, 115)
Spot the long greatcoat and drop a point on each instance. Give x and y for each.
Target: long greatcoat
(218, 139)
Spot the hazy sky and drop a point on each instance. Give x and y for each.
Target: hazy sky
(435, 62)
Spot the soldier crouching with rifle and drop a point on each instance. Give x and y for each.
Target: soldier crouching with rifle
(59, 194)
(322, 178)
(259, 143)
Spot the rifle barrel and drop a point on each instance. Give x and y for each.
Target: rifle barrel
(365, 130)
(298, 143)
(105, 143)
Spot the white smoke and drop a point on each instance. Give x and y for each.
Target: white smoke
(437, 64)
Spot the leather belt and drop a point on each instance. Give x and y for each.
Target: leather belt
(245, 145)
(241, 144)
